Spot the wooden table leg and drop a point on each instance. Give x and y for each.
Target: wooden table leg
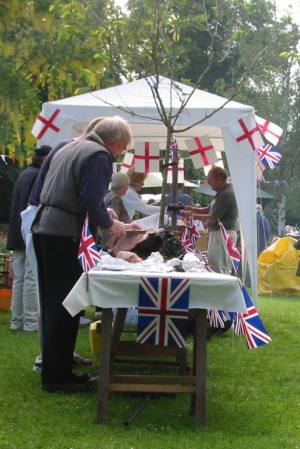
(104, 366)
(198, 404)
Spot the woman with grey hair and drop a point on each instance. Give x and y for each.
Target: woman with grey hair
(74, 187)
(113, 200)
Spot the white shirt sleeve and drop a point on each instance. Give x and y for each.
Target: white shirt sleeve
(133, 203)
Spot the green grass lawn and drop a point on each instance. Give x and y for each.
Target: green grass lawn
(253, 397)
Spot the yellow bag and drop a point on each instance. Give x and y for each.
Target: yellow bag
(95, 336)
(277, 266)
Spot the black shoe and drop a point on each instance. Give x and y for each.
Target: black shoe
(80, 378)
(81, 361)
(66, 387)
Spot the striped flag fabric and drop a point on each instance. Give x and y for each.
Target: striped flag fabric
(190, 236)
(216, 318)
(237, 320)
(233, 252)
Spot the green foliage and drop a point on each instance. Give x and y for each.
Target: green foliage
(252, 397)
(45, 53)
(51, 49)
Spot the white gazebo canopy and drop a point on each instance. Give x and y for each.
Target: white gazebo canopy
(67, 118)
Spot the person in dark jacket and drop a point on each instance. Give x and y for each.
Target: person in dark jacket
(75, 186)
(264, 230)
(297, 246)
(24, 296)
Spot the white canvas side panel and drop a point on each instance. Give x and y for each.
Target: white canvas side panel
(242, 168)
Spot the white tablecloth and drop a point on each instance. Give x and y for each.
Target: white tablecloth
(120, 289)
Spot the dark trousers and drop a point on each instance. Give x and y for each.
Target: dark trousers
(58, 271)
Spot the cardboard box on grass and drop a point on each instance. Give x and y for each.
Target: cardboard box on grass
(5, 300)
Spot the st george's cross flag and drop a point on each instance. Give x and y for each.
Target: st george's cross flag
(163, 311)
(269, 156)
(246, 134)
(128, 162)
(146, 157)
(269, 130)
(180, 171)
(233, 252)
(219, 163)
(50, 123)
(190, 236)
(88, 254)
(254, 330)
(201, 151)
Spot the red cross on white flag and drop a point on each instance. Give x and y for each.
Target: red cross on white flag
(202, 151)
(269, 130)
(51, 122)
(246, 133)
(219, 163)
(180, 179)
(128, 162)
(146, 157)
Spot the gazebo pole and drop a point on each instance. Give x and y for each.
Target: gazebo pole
(165, 175)
(174, 184)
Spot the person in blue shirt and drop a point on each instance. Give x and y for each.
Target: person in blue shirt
(182, 197)
(264, 230)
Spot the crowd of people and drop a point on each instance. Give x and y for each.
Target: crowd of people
(58, 193)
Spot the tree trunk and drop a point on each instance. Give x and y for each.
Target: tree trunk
(281, 212)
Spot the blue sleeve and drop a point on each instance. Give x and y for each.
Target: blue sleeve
(94, 184)
(37, 188)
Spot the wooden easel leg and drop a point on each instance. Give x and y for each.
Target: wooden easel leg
(104, 366)
(198, 400)
(201, 366)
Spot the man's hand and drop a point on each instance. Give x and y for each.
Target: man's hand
(128, 256)
(132, 227)
(112, 213)
(116, 231)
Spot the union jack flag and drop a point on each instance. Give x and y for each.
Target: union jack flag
(237, 319)
(269, 156)
(88, 254)
(216, 318)
(190, 236)
(163, 311)
(254, 330)
(233, 252)
(173, 146)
